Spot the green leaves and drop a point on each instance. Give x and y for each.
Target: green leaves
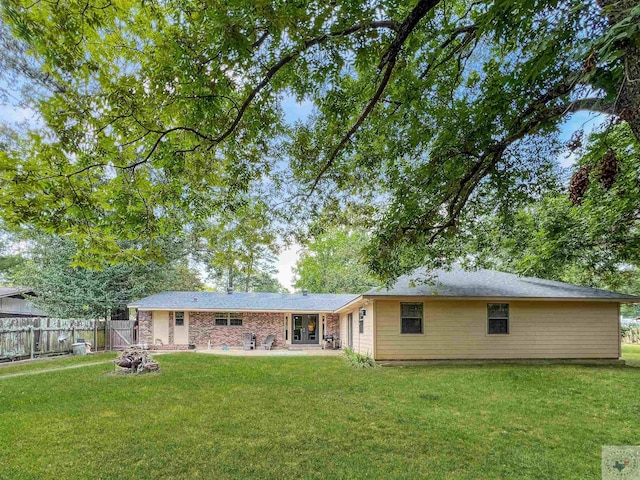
(595, 243)
(67, 289)
(332, 262)
(162, 118)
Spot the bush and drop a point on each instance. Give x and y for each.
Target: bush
(627, 328)
(359, 360)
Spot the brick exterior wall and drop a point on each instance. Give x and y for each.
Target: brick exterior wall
(332, 324)
(202, 329)
(145, 327)
(171, 326)
(145, 332)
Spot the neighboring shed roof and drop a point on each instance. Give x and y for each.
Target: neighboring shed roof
(285, 302)
(15, 292)
(489, 283)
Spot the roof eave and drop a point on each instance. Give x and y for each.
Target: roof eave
(215, 309)
(351, 304)
(503, 297)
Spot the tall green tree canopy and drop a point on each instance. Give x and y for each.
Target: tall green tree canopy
(332, 262)
(589, 235)
(158, 115)
(68, 291)
(239, 247)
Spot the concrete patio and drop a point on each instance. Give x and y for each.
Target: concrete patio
(276, 352)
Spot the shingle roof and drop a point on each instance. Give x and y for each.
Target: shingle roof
(15, 291)
(490, 283)
(286, 302)
(441, 283)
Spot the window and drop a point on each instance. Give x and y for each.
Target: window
(221, 319)
(224, 319)
(410, 318)
(361, 325)
(498, 318)
(179, 319)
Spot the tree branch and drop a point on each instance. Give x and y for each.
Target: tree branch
(469, 34)
(598, 105)
(528, 121)
(260, 40)
(387, 62)
(388, 24)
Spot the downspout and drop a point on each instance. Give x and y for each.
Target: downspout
(375, 329)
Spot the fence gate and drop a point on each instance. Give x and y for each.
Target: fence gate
(120, 334)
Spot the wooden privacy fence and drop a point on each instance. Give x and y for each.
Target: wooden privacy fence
(28, 337)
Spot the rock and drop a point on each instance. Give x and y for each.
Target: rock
(136, 360)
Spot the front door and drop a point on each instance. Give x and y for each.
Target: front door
(305, 329)
(160, 328)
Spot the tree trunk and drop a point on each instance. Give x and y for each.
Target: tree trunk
(628, 101)
(248, 280)
(630, 92)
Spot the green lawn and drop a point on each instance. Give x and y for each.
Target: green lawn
(54, 362)
(208, 416)
(631, 354)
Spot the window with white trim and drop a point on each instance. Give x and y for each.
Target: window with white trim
(179, 316)
(410, 318)
(498, 318)
(228, 319)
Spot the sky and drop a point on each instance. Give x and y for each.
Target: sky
(299, 110)
(293, 112)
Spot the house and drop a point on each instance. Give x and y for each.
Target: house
(14, 302)
(452, 314)
(179, 319)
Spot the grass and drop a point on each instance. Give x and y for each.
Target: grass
(207, 416)
(47, 363)
(631, 355)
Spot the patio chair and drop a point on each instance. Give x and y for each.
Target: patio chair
(248, 341)
(268, 342)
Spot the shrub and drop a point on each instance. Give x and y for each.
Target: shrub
(359, 360)
(626, 329)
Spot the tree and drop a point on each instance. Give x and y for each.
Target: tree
(239, 248)
(157, 115)
(261, 280)
(332, 262)
(588, 235)
(8, 260)
(69, 291)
